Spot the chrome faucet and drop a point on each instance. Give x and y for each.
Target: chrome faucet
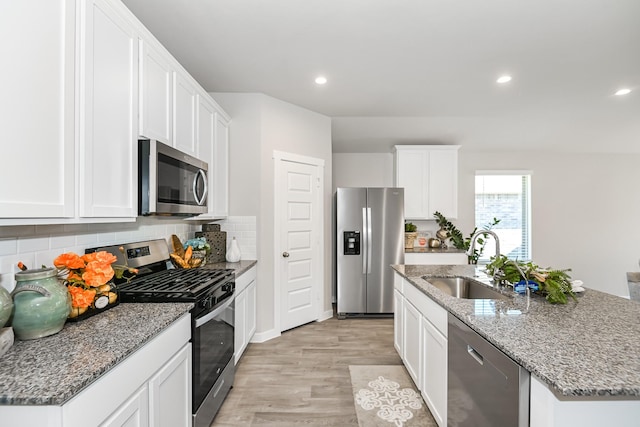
(472, 245)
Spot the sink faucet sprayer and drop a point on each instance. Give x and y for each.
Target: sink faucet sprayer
(472, 245)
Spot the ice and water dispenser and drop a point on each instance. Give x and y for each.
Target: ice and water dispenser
(351, 243)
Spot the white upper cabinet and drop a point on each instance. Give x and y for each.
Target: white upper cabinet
(37, 110)
(185, 101)
(219, 202)
(86, 80)
(108, 111)
(213, 148)
(429, 175)
(156, 93)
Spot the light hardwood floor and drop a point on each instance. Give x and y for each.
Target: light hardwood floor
(302, 377)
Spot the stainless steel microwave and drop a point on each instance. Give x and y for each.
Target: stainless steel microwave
(170, 182)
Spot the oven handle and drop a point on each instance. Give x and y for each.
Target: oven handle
(204, 319)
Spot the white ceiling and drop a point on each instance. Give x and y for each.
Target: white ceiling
(424, 71)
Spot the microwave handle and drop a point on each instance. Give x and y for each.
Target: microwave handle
(200, 201)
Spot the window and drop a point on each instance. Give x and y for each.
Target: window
(505, 195)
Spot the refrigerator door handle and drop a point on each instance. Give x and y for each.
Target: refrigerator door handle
(365, 239)
(369, 240)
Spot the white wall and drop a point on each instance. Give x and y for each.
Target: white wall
(362, 170)
(261, 125)
(585, 209)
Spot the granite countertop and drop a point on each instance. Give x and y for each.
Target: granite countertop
(240, 267)
(53, 369)
(589, 348)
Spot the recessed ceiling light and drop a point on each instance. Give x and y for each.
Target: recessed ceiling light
(503, 79)
(321, 80)
(623, 92)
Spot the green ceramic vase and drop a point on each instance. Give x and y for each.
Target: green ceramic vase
(41, 304)
(6, 306)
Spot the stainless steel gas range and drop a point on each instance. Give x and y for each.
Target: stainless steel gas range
(212, 326)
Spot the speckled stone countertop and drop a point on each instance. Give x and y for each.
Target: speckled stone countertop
(586, 348)
(240, 267)
(51, 370)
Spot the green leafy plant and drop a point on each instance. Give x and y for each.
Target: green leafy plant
(555, 285)
(459, 241)
(410, 227)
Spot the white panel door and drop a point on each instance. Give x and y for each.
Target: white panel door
(108, 111)
(37, 40)
(300, 258)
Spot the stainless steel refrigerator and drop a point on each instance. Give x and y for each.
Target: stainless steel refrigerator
(369, 239)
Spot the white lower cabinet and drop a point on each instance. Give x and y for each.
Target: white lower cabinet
(420, 336)
(170, 392)
(412, 337)
(398, 322)
(245, 312)
(433, 370)
(133, 413)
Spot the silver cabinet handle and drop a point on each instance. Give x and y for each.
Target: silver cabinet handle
(285, 254)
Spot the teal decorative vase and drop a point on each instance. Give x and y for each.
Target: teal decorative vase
(41, 304)
(6, 306)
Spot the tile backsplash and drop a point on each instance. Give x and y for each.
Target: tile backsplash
(37, 245)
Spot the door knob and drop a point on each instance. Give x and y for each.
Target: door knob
(285, 254)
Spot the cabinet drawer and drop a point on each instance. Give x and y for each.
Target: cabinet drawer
(436, 314)
(245, 279)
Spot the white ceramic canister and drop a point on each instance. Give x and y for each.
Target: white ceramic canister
(233, 253)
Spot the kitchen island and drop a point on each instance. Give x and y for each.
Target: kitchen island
(57, 378)
(583, 356)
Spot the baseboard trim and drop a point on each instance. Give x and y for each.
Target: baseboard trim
(326, 315)
(265, 336)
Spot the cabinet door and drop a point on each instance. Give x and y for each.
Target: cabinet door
(37, 40)
(220, 196)
(133, 413)
(443, 182)
(412, 338)
(156, 98)
(240, 317)
(434, 372)
(398, 308)
(108, 111)
(251, 311)
(412, 174)
(185, 101)
(206, 142)
(170, 392)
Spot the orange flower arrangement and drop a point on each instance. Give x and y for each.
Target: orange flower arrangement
(88, 279)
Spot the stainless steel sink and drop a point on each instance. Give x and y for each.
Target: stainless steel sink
(464, 287)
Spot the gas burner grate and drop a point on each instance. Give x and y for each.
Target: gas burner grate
(174, 285)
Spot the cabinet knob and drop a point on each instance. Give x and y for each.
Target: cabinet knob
(285, 254)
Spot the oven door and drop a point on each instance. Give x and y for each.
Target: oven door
(212, 344)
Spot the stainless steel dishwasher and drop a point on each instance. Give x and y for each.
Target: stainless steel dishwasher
(485, 386)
